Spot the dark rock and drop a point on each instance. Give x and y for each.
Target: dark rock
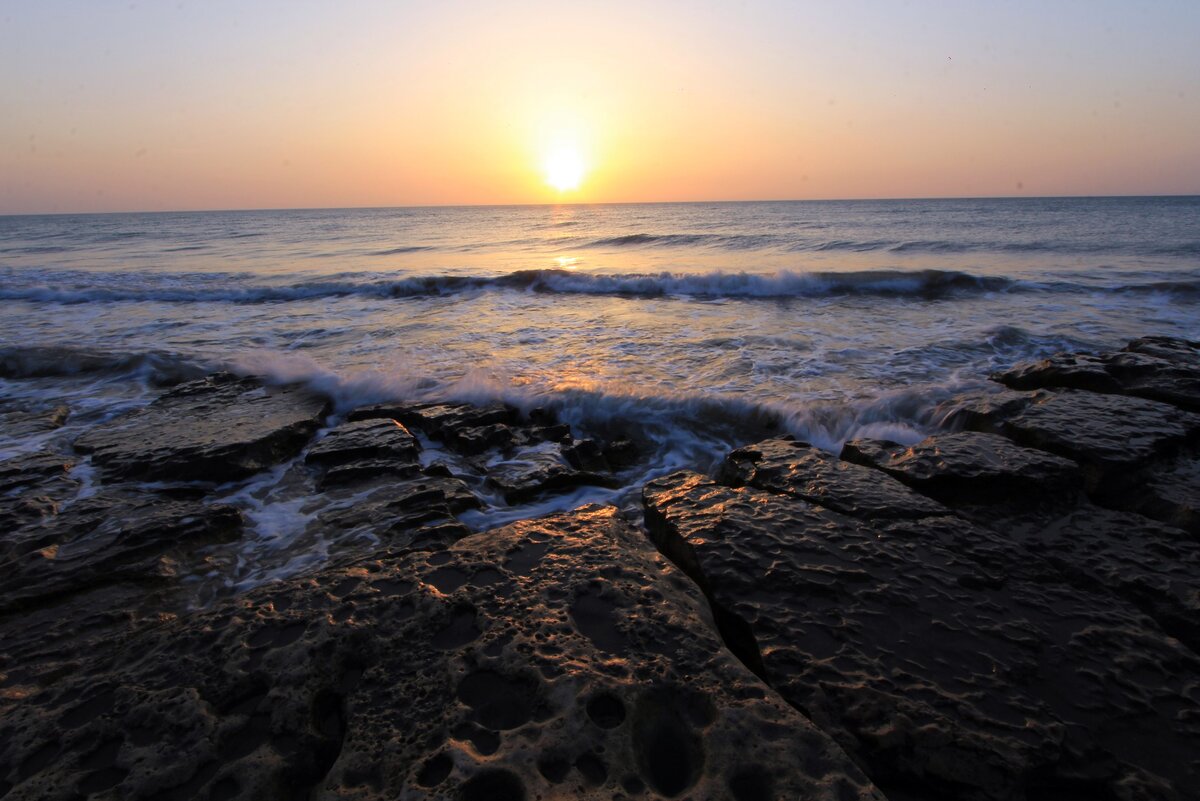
(1172, 494)
(1170, 349)
(19, 421)
(551, 658)
(367, 470)
(536, 470)
(972, 467)
(439, 419)
(473, 440)
(218, 429)
(115, 535)
(398, 511)
(34, 468)
(560, 432)
(981, 411)
(949, 661)
(32, 486)
(1153, 566)
(621, 453)
(368, 439)
(362, 451)
(585, 454)
(1157, 368)
(1112, 437)
(802, 471)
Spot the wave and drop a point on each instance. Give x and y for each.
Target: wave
(686, 429)
(400, 250)
(35, 250)
(58, 361)
(918, 284)
(726, 241)
(715, 285)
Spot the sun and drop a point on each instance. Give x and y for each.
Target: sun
(564, 168)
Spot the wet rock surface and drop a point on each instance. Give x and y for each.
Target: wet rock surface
(802, 471)
(560, 658)
(232, 593)
(1027, 642)
(1158, 368)
(218, 429)
(943, 656)
(970, 466)
(1112, 437)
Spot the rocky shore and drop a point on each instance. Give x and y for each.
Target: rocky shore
(1006, 611)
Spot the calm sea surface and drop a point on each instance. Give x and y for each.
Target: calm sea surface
(688, 325)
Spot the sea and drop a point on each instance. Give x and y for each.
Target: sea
(689, 327)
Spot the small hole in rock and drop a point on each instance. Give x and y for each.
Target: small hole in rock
(606, 710)
(493, 785)
(554, 768)
(592, 769)
(752, 784)
(435, 770)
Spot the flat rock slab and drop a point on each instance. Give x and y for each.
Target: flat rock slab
(401, 511)
(946, 659)
(558, 658)
(1112, 433)
(114, 536)
(972, 467)
(218, 429)
(1112, 437)
(366, 439)
(536, 470)
(466, 428)
(1158, 368)
(1154, 567)
(802, 471)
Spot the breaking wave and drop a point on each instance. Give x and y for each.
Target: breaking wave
(785, 284)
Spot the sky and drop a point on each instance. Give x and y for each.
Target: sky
(231, 105)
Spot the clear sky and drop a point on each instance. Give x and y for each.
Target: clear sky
(210, 105)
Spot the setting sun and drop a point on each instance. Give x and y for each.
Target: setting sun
(564, 168)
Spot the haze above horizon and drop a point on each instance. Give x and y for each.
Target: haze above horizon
(190, 106)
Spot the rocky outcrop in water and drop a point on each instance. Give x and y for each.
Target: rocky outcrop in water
(1005, 611)
(1015, 629)
(217, 430)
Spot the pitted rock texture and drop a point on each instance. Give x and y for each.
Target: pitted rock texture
(800, 470)
(1158, 368)
(217, 429)
(949, 660)
(553, 659)
(972, 467)
(1112, 437)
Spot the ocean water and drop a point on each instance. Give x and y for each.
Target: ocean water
(692, 327)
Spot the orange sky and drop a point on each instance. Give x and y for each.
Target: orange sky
(214, 105)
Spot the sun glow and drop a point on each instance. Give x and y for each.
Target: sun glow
(564, 168)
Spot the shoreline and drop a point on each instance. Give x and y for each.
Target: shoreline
(1005, 610)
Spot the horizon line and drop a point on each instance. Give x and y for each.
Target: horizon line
(596, 203)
